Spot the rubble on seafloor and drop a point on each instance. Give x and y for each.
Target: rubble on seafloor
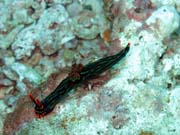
(40, 40)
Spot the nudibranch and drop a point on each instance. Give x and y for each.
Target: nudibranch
(76, 77)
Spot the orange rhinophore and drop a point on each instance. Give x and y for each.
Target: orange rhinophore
(36, 101)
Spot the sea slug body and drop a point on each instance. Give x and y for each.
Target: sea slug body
(76, 78)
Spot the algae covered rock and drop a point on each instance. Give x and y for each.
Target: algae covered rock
(164, 21)
(90, 21)
(53, 29)
(25, 72)
(7, 40)
(23, 44)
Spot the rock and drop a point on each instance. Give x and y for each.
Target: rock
(53, 29)
(6, 40)
(164, 21)
(23, 45)
(90, 21)
(26, 72)
(85, 25)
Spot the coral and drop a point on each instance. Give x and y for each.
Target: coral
(7, 39)
(152, 98)
(21, 87)
(142, 61)
(63, 1)
(45, 67)
(14, 13)
(74, 8)
(159, 23)
(143, 4)
(5, 82)
(2, 109)
(94, 5)
(176, 66)
(165, 2)
(111, 105)
(90, 21)
(177, 4)
(25, 72)
(23, 45)
(53, 29)
(142, 10)
(170, 61)
(8, 60)
(85, 25)
(9, 73)
(173, 104)
(21, 16)
(34, 59)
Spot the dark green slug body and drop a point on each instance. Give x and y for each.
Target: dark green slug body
(87, 72)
